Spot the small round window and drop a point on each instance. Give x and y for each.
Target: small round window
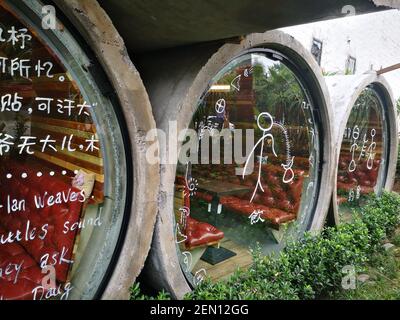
(248, 173)
(63, 166)
(363, 153)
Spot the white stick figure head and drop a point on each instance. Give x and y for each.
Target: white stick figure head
(268, 117)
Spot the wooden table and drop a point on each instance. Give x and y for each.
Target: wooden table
(218, 189)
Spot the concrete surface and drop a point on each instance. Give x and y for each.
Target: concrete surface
(100, 34)
(344, 92)
(175, 80)
(151, 24)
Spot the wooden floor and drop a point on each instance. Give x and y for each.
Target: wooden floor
(220, 271)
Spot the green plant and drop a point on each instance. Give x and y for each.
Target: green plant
(312, 267)
(381, 216)
(136, 294)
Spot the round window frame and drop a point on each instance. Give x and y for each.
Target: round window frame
(309, 86)
(379, 93)
(73, 46)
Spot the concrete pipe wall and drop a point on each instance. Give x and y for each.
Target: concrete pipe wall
(176, 80)
(154, 25)
(345, 92)
(98, 31)
(105, 253)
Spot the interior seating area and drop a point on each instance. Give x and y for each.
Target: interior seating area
(221, 215)
(38, 232)
(50, 176)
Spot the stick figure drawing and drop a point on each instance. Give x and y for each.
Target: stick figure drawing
(266, 135)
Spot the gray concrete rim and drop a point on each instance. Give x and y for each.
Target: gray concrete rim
(353, 86)
(180, 100)
(98, 31)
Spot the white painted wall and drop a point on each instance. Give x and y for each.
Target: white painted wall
(373, 39)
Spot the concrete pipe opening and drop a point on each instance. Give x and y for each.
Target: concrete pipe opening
(268, 178)
(365, 128)
(70, 206)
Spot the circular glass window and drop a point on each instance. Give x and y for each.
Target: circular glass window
(63, 165)
(248, 173)
(363, 153)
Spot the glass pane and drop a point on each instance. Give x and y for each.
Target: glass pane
(62, 199)
(362, 154)
(257, 185)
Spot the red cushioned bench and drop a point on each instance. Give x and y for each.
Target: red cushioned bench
(55, 243)
(279, 202)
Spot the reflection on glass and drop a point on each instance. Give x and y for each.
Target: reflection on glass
(362, 153)
(257, 184)
(56, 208)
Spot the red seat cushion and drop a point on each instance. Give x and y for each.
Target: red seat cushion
(201, 233)
(53, 217)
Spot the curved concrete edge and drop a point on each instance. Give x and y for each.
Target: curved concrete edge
(175, 80)
(344, 92)
(98, 31)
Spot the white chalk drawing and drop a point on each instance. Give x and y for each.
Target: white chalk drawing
(27, 144)
(311, 160)
(371, 150)
(5, 143)
(266, 135)
(365, 151)
(363, 148)
(248, 72)
(351, 195)
(20, 36)
(191, 183)
(180, 237)
(288, 175)
(305, 105)
(256, 216)
(309, 187)
(358, 192)
(25, 68)
(354, 147)
(312, 135)
(199, 277)
(185, 213)
(220, 106)
(236, 82)
(352, 164)
(187, 260)
(19, 142)
(211, 126)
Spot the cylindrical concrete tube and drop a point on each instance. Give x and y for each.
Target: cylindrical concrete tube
(180, 80)
(365, 133)
(99, 32)
(98, 222)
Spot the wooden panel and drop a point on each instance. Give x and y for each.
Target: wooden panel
(43, 164)
(223, 270)
(67, 165)
(85, 129)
